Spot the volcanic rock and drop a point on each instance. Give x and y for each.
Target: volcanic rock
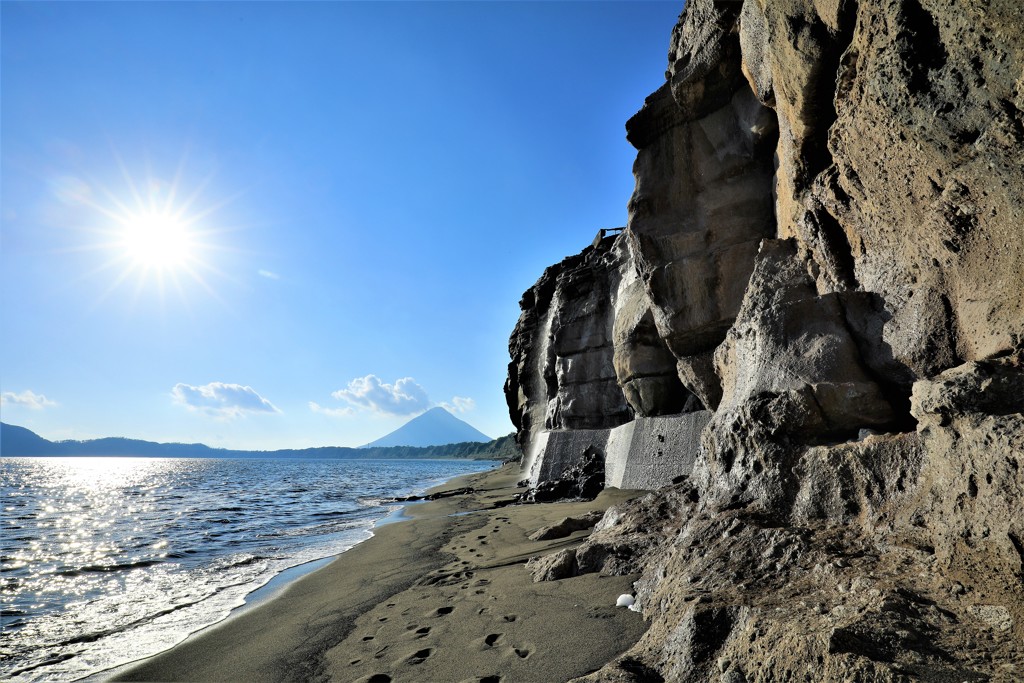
(825, 252)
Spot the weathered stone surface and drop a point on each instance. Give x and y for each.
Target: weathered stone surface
(854, 482)
(788, 340)
(567, 526)
(701, 206)
(644, 366)
(584, 478)
(560, 450)
(827, 227)
(649, 453)
(587, 394)
(969, 506)
(791, 373)
(562, 374)
(557, 565)
(697, 373)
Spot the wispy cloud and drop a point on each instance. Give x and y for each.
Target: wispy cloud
(333, 412)
(222, 400)
(27, 399)
(270, 275)
(459, 404)
(404, 397)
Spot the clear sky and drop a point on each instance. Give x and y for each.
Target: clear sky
(267, 225)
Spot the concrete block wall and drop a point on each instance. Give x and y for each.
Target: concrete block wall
(560, 449)
(647, 453)
(651, 451)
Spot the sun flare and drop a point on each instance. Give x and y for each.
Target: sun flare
(156, 237)
(160, 241)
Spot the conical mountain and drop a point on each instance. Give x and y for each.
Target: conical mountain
(436, 427)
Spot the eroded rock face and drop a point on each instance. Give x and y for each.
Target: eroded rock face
(829, 224)
(644, 366)
(702, 204)
(562, 374)
(586, 354)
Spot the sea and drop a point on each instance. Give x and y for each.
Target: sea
(104, 561)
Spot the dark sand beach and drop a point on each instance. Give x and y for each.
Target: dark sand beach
(442, 596)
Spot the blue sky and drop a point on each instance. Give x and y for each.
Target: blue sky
(347, 199)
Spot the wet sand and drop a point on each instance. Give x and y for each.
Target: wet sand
(443, 596)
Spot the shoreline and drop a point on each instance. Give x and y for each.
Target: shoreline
(381, 608)
(281, 581)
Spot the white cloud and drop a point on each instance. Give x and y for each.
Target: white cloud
(459, 404)
(27, 398)
(222, 400)
(404, 397)
(270, 275)
(333, 412)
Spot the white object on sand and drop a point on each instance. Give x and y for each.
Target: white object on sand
(625, 600)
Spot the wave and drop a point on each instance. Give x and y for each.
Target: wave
(100, 568)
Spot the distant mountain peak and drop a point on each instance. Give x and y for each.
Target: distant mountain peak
(435, 427)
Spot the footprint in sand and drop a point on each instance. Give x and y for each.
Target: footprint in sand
(522, 652)
(509, 617)
(492, 638)
(422, 632)
(490, 679)
(442, 611)
(420, 656)
(366, 638)
(379, 678)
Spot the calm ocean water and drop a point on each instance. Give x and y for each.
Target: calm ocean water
(106, 560)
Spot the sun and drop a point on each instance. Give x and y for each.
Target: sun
(155, 238)
(158, 241)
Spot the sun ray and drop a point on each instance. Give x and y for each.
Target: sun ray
(127, 178)
(160, 235)
(179, 173)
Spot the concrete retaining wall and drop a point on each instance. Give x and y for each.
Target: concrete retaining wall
(647, 453)
(650, 452)
(561, 449)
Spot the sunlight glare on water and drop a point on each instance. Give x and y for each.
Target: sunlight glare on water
(106, 560)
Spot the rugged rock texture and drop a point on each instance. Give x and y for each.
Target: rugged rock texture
(561, 374)
(826, 249)
(585, 353)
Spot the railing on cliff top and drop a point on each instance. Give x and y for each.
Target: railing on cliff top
(606, 232)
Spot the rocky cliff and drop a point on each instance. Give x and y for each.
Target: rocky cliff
(822, 272)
